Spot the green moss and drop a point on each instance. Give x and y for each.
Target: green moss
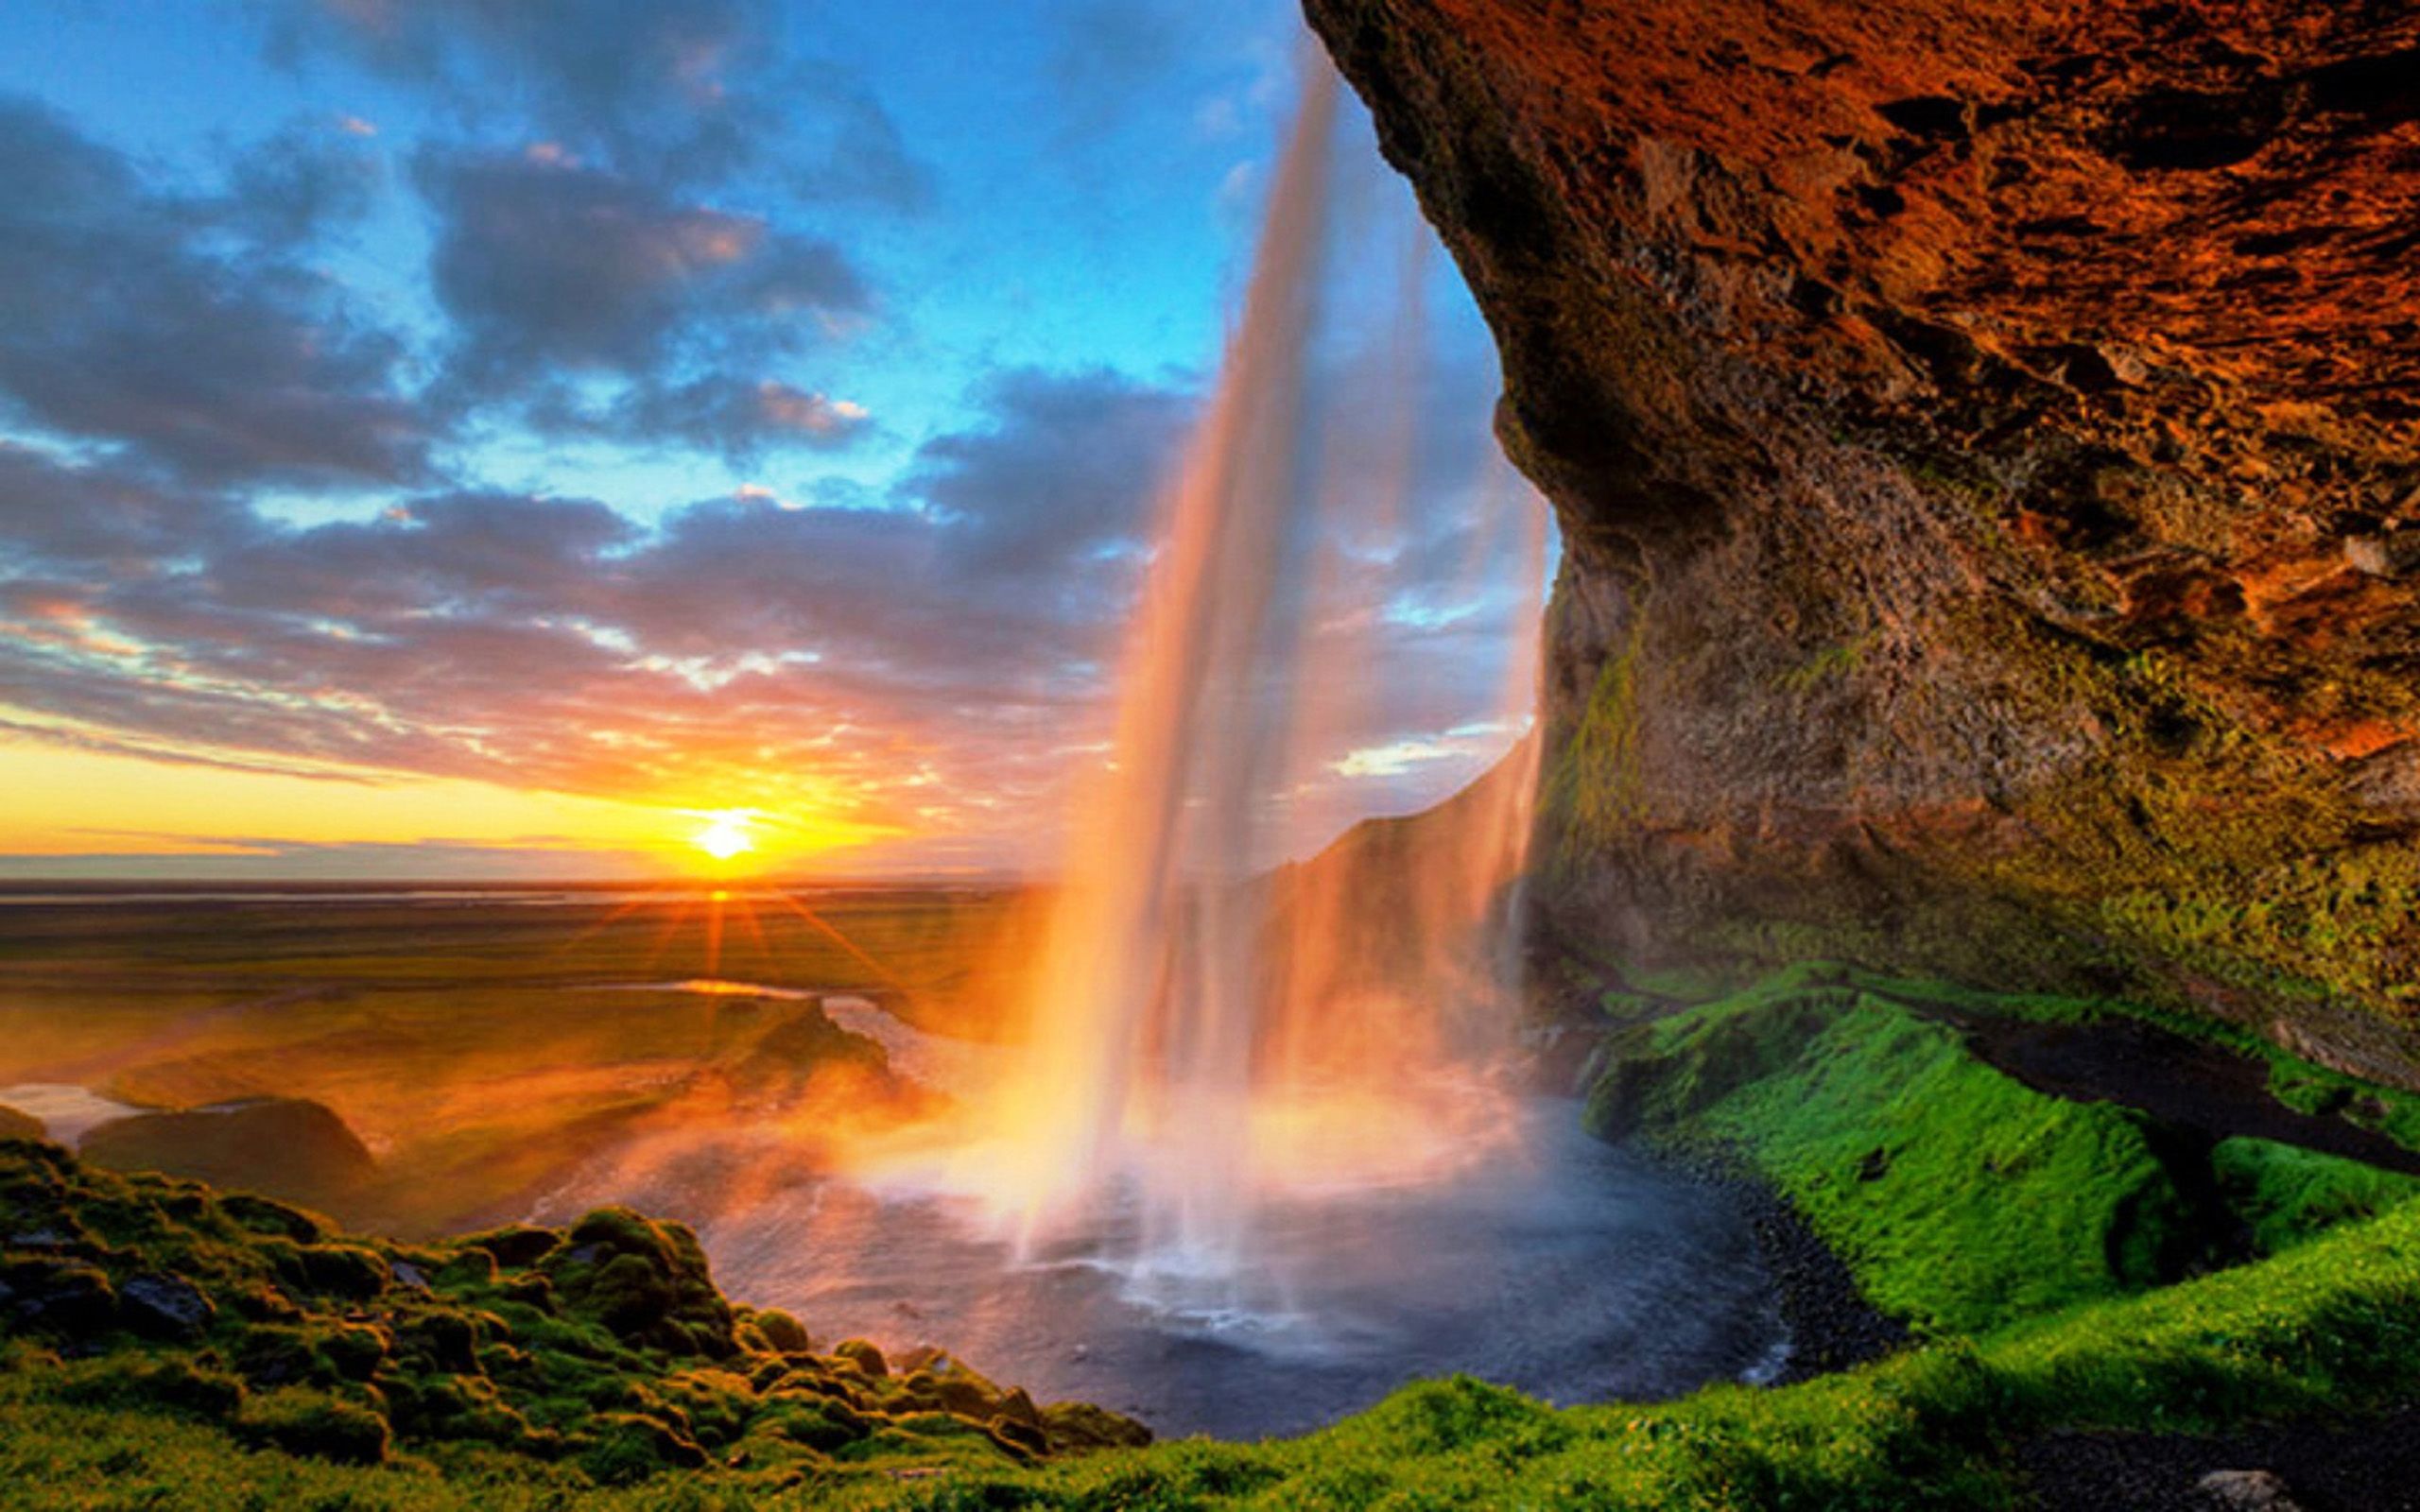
(1596, 793)
(2330, 1329)
(1829, 663)
(151, 1384)
(622, 1360)
(1961, 1199)
(2289, 1196)
(302, 1421)
(1818, 1067)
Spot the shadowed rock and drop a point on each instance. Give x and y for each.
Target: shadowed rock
(1985, 439)
(285, 1147)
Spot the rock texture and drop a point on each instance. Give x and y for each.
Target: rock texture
(1987, 444)
(288, 1147)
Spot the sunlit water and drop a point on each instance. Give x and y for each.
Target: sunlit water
(1566, 1268)
(1585, 1276)
(1210, 1034)
(1258, 1159)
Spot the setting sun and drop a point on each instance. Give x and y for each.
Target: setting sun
(725, 834)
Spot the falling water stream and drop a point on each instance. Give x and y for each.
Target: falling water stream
(1204, 1043)
(1261, 1157)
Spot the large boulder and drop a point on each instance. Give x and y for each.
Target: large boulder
(286, 1147)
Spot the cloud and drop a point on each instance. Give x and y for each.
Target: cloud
(670, 91)
(301, 181)
(83, 518)
(844, 147)
(900, 651)
(929, 652)
(184, 330)
(462, 556)
(1106, 55)
(934, 655)
(1065, 471)
(549, 268)
(644, 79)
(740, 419)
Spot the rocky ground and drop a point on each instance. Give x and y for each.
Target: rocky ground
(2367, 1466)
(1832, 1326)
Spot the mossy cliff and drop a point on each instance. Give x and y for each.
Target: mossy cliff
(1986, 446)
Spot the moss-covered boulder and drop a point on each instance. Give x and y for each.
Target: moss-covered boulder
(645, 1282)
(303, 1421)
(604, 1352)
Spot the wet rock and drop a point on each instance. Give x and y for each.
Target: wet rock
(2248, 1492)
(64, 1299)
(166, 1307)
(409, 1276)
(20, 1125)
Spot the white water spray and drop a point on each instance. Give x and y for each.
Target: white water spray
(1203, 1039)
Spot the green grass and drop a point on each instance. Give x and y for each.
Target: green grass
(1961, 1199)
(599, 1369)
(2331, 1328)
(2288, 1196)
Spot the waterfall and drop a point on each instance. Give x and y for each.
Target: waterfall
(1207, 1031)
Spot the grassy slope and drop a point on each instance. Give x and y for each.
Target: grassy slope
(2333, 1326)
(2013, 1225)
(1961, 1199)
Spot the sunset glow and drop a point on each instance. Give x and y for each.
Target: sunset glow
(725, 835)
(762, 524)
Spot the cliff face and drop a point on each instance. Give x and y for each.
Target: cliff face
(1987, 444)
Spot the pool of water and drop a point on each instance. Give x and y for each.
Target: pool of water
(1570, 1269)
(1581, 1275)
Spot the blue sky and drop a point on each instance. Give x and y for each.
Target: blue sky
(716, 403)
